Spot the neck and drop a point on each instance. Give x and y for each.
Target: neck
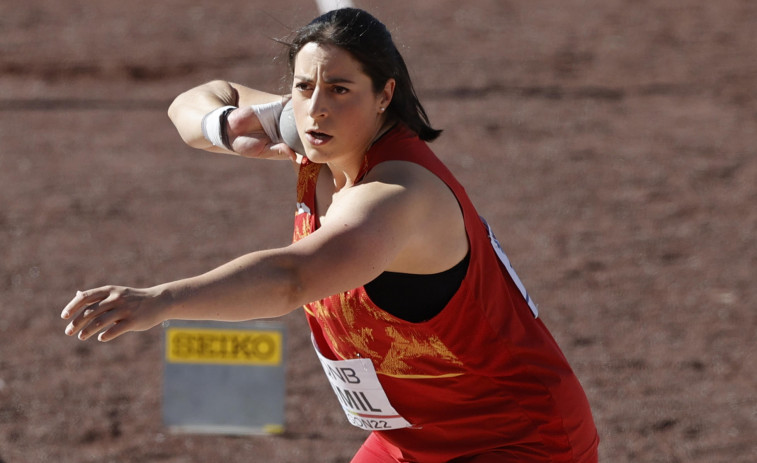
(346, 174)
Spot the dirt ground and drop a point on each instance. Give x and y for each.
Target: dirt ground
(610, 143)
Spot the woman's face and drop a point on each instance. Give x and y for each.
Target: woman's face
(337, 113)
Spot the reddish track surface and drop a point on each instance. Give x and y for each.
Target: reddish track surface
(611, 144)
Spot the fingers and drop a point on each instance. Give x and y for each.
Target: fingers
(110, 325)
(243, 121)
(91, 311)
(284, 151)
(251, 145)
(114, 331)
(248, 138)
(83, 299)
(99, 323)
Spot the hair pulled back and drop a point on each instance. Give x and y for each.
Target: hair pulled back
(370, 43)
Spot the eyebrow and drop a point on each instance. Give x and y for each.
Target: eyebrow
(333, 80)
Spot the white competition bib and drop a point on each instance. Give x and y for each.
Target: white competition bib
(360, 394)
(508, 266)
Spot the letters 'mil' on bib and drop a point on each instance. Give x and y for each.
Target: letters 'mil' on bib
(360, 394)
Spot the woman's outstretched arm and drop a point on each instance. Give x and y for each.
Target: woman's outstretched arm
(393, 221)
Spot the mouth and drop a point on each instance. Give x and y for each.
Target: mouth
(316, 138)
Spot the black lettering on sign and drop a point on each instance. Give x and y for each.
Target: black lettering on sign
(264, 346)
(181, 345)
(203, 346)
(219, 346)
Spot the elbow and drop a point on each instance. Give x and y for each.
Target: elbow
(177, 113)
(294, 292)
(299, 286)
(172, 109)
(281, 288)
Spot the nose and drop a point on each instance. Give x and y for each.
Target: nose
(317, 107)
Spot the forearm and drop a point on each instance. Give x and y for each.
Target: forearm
(188, 109)
(258, 285)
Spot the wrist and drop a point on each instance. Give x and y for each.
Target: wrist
(168, 297)
(215, 127)
(288, 128)
(268, 114)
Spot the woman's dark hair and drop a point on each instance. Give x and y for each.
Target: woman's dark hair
(371, 44)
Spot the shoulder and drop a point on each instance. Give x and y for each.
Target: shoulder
(413, 179)
(392, 194)
(418, 205)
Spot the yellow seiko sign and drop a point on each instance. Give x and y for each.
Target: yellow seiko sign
(233, 347)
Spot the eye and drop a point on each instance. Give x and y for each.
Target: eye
(302, 86)
(338, 89)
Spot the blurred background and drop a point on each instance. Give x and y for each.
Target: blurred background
(610, 144)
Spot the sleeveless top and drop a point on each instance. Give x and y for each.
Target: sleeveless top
(482, 374)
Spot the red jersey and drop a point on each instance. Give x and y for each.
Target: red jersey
(484, 375)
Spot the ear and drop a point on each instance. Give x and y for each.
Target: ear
(385, 97)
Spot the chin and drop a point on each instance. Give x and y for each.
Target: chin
(314, 155)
